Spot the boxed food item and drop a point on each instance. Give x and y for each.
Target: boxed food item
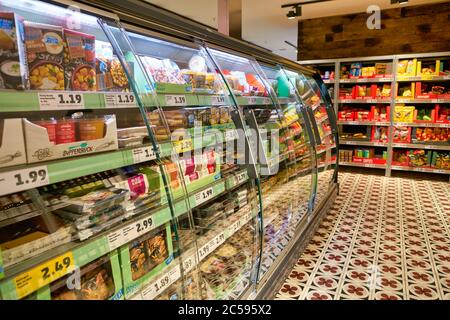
(99, 280)
(74, 137)
(362, 116)
(109, 72)
(45, 55)
(346, 115)
(419, 158)
(404, 113)
(145, 257)
(379, 134)
(431, 135)
(442, 114)
(12, 142)
(13, 67)
(400, 158)
(380, 113)
(79, 61)
(424, 115)
(402, 134)
(440, 160)
(163, 71)
(425, 91)
(407, 68)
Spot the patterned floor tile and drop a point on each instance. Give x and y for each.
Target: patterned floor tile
(383, 239)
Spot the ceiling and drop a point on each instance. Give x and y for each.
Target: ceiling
(264, 22)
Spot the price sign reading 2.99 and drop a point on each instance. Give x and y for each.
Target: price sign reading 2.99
(43, 274)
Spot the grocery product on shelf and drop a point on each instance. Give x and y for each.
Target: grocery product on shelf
(401, 134)
(13, 68)
(419, 158)
(431, 135)
(45, 55)
(440, 160)
(110, 75)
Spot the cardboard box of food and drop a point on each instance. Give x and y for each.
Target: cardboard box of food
(44, 46)
(13, 66)
(145, 258)
(79, 61)
(12, 143)
(40, 148)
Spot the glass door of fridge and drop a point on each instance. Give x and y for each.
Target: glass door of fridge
(286, 195)
(321, 114)
(214, 195)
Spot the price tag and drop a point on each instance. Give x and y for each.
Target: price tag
(267, 101)
(420, 169)
(401, 145)
(176, 100)
(143, 154)
(120, 100)
(24, 179)
(61, 101)
(217, 100)
(251, 100)
(404, 100)
(183, 145)
(240, 177)
(189, 263)
(130, 232)
(362, 80)
(230, 135)
(368, 165)
(344, 80)
(204, 196)
(235, 227)
(43, 274)
(436, 101)
(162, 283)
(211, 245)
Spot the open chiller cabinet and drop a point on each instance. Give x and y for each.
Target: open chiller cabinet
(215, 214)
(101, 180)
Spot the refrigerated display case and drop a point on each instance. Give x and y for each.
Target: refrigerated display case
(150, 165)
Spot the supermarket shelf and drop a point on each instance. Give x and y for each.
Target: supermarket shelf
(422, 146)
(171, 275)
(363, 143)
(287, 100)
(423, 78)
(365, 80)
(325, 149)
(363, 165)
(70, 168)
(400, 100)
(418, 169)
(360, 101)
(249, 101)
(365, 123)
(423, 124)
(19, 218)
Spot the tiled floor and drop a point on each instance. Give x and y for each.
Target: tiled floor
(384, 238)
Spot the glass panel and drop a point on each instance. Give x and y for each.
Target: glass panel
(286, 195)
(187, 105)
(322, 113)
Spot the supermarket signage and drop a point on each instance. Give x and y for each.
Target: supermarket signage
(211, 245)
(120, 100)
(175, 100)
(240, 177)
(217, 100)
(189, 263)
(60, 101)
(161, 283)
(130, 232)
(24, 179)
(46, 273)
(143, 154)
(251, 100)
(204, 196)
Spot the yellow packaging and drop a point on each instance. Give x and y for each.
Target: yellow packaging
(404, 113)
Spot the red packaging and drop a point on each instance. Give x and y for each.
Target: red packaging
(50, 125)
(65, 131)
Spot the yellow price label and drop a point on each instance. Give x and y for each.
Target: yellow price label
(46, 273)
(183, 145)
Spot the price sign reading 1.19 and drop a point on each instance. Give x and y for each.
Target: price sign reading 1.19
(19, 180)
(61, 101)
(120, 100)
(43, 274)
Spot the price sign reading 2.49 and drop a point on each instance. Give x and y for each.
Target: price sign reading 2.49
(19, 180)
(43, 274)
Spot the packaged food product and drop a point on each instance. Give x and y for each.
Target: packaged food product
(13, 67)
(79, 61)
(110, 75)
(441, 160)
(65, 131)
(45, 54)
(163, 71)
(419, 158)
(402, 134)
(91, 128)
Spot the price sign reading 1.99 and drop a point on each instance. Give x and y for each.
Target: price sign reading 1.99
(19, 180)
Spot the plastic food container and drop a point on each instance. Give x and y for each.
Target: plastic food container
(65, 131)
(96, 201)
(91, 129)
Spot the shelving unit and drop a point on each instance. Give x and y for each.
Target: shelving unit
(395, 80)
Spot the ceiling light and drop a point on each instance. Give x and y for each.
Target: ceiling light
(291, 15)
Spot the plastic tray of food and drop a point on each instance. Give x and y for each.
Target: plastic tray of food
(98, 200)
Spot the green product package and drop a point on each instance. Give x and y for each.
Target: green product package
(145, 258)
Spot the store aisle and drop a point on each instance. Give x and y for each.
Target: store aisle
(384, 238)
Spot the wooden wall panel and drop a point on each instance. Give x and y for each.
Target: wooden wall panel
(416, 29)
